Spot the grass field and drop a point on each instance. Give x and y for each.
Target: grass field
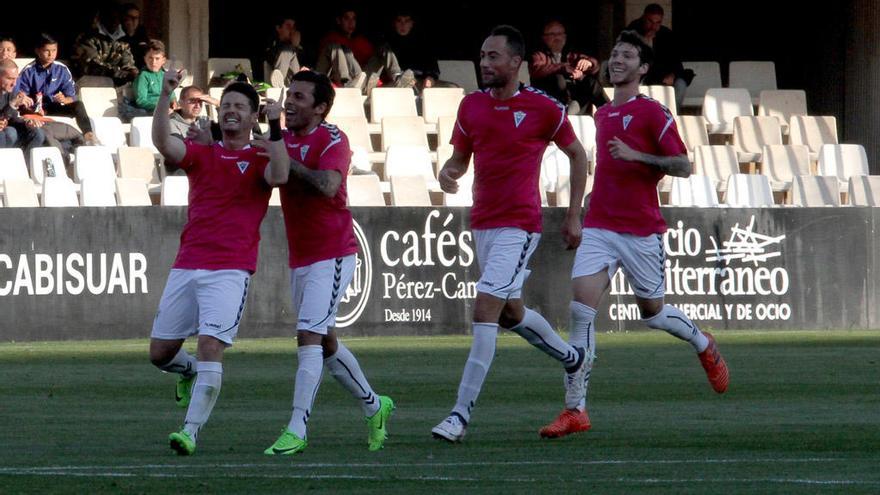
(802, 415)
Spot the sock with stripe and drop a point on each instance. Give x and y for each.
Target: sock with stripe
(476, 368)
(538, 332)
(345, 369)
(204, 395)
(182, 363)
(676, 323)
(582, 333)
(308, 379)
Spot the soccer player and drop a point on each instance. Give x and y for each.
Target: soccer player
(230, 184)
(507, 127)
(322, 256)
(637, 144)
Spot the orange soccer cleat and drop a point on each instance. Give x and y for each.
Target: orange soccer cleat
(566, 423)
(716, 368)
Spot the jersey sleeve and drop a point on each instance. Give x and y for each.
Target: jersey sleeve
(669, 142)
(337, 154)
(564, 135)
(462, 140)
(195, 155)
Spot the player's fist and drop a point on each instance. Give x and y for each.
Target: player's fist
(172, 79)
(448, 179)
(273, 109)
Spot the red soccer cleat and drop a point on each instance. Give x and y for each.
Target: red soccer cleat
(566, 423)
(716, 368)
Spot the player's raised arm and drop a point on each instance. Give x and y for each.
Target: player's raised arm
(169, 146)
(279, 162)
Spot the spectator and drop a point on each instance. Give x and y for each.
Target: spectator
(148, 83)
(135, 34)
(192, 100)
(667, 68)
(49, 85)
(7, 49)
(569, 76)
(101, 51)
(286, 52)
(15, 130)
(413, 50)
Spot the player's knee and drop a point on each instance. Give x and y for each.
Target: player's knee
(160, 358)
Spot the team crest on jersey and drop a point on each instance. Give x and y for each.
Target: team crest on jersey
(303, 151)
(518, 117)
(626, 120)
(242, 166)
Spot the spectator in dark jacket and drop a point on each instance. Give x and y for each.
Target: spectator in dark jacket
(667, 68)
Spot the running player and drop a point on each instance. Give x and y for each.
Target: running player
(230, 184)
(637, 144)
(507, 127)
(322, 250)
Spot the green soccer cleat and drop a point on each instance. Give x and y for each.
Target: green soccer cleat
(183, 393)
(182, 443)
(287, 444)
(378, 422)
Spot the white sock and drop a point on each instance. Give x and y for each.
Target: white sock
(204, 395)
(678, 324)
(476, 368)
(582, 333)
(182, 363)
(345, 369)
(308, 378)
(538, 332)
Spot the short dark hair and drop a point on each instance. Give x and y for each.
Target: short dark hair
(7, 39)
(630, 37)
(245, 89)
(44, 39)
(324, 92)
(515, 41)
(653, 8)
(124, 8)
(280, 18)
(156, 46)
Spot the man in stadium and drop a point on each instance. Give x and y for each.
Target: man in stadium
(507, 127)
(321, 265)
(637, 144)
(230, 184)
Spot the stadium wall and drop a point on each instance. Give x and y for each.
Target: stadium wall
(93, 273)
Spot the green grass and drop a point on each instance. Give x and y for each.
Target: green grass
(802, 415)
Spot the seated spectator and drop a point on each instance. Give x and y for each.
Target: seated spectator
(569, 76)
(16, 131)
(667, 68)
(413, 50)
(101, 51)
(135, 34)
(285, 54)
(148, 83)
(7, 49)
(192, 100)
(49, 85)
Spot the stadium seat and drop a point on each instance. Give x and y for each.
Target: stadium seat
(813, 131)
(98, 191)
(175, 191)
(692, 129)
(440, 102)
(585, 130)
(392, 102)
(99, 102)
(782, 104)
(403, 131)
(748, 191)
(12, 164)
(22, 62)
(132, 192)
(812, 190)
(721, 105)
(563, 189)
(460, 72)
(142, 133)
(365, 190)
(94, 161)
(357, 130)
(524, 74)
(716, 162)
(445, 126)
(553, 164)
(58, 192)
(20, 193)
(782, 163)
(409, 190)
(843, 161)
(864, 190)
(109, 131)
(220, 66)
(751, 134)
(39, 156)
(706, 75)
(465, 194)
(95, 82)
(275, 197)
(755, 76)
(138, 163)
(349, 102)
(694, 191)
(410, 160)
(663, 94)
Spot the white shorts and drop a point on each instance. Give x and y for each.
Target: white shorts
(503, 255)
(204, 302)
(316, 290)
(643, 259)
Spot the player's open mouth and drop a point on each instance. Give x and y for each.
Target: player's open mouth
(231, 120)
